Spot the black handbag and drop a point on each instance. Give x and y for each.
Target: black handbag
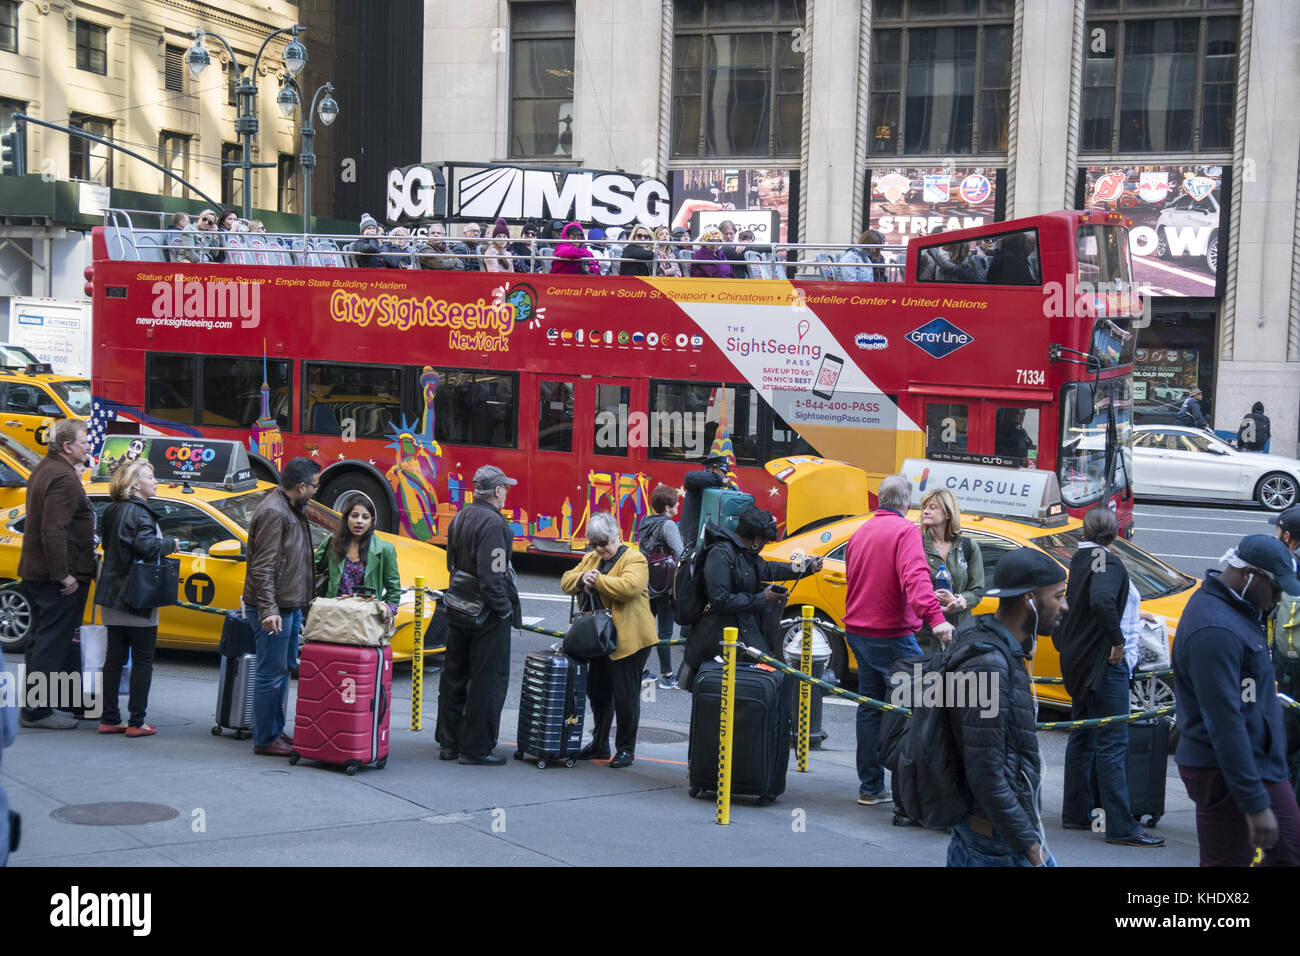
(152, 584)
(591, 631)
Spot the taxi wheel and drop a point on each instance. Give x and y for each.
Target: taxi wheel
(15, 620)
(1151, 693)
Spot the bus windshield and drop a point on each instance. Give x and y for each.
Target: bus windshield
(1103, 257)
(1096, 450)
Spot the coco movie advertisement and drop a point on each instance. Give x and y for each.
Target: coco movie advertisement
(1178, 218)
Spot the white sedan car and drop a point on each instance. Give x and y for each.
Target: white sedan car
(1176, 461)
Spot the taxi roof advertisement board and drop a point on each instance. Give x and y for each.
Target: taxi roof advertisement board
(205, 461)
(1020, 493)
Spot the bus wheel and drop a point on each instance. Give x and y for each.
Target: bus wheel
(334, 494)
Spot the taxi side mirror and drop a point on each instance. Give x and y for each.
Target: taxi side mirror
(230, 549)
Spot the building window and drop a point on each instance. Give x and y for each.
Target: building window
(233, 76)
(737, 78)
(174, 69)
(541, 79)
(1158, 85)
(941, 89)
(232, 175)
(87, 160)
(92, 47)
(9, 26)
(174, 154)
(287, 183)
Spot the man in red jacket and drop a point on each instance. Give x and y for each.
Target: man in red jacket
(889, 594)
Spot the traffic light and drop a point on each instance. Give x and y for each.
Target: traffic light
(13, 160)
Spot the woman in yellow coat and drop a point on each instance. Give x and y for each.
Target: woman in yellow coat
(617, 577)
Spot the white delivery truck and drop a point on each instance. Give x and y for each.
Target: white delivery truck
(56, 331)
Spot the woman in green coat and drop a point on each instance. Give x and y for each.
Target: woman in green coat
(353, 557)
(946, 546)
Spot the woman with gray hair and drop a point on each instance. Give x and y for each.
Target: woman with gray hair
(615, 576)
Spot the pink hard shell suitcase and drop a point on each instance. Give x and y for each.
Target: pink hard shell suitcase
(344, 697)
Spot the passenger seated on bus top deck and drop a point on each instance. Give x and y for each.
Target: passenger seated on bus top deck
(367, 249)
(599, 248)
(473, 234)
(434, 251)
(682, 248)
(638, 258)
(665, 253)
(524, 250)
(707, 260)
(572, 257)
(858, 263)
(1011, 264)
(209, 242)
(731, 255)
(496, 254)
(183, 241)
(397, 250)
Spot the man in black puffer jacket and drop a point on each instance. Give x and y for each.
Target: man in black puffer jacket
(996, 740)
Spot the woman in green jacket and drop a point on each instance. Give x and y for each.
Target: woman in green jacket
(353, 557)
(947, 547)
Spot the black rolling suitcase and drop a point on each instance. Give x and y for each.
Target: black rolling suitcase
(1147, 763)
(761, 751)
(552, 708)
(235, 679)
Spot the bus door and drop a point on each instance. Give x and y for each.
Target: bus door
(966, 424)
(611, 433)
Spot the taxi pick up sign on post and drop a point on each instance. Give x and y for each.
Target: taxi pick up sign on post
(1021, 493)
(196, 460)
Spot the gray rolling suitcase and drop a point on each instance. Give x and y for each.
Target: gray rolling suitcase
(552, 707)
(235, 679)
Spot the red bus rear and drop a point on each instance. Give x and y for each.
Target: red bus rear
(594, 389)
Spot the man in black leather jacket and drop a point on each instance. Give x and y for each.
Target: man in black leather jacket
(476, 665)
(997, 740)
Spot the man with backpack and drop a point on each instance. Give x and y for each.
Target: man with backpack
(997, 767)
(661, 544)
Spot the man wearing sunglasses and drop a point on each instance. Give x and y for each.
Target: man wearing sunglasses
(1232, 750)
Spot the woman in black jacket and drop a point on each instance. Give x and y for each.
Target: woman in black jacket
(637, 260)
(734, 580)
(130, 531)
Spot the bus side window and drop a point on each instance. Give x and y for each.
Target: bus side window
(1016, 435)
(946, 427)
(476, 408)
(169, 387)
(555, 417)
(360, 401)
(611, 412)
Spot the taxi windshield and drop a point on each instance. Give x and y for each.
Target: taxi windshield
(1153, 578)
(240, 508)
(75, 394)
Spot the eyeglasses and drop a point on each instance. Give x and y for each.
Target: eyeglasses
(207, 219)
(598, 542)
(313, 485)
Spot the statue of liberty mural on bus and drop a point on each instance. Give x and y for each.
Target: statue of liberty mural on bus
(416, 469)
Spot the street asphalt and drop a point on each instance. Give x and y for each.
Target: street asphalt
(232, 808)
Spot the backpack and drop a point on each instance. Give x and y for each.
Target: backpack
(663, 563)
(1285, 628)
(929, 776)
(689, 597)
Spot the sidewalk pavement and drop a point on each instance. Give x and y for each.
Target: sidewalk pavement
(233, 808)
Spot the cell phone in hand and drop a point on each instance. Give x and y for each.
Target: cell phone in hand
(779, 588)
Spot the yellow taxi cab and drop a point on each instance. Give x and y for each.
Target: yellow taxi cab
(16, 464)
(33, 397)
(208, 509)
(997, 526)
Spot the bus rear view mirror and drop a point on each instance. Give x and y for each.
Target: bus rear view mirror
(1083, 403)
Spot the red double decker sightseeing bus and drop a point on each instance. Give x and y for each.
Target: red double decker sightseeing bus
(1010, 344)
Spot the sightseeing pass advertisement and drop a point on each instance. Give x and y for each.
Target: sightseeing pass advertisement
(907, 202)
(1178, 213)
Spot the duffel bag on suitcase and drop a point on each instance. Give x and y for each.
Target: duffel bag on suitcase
(760, 750)
(344, 698)
(361, 621)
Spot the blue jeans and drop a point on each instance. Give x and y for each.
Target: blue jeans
(1108, 746)
(875, 657)
(276, 656)
(968, 848)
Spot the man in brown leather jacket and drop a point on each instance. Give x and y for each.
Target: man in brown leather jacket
(57, 564)
(278, 585)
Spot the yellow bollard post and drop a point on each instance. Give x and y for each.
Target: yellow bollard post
(726, 732)
(805, 690)
(417, 654)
